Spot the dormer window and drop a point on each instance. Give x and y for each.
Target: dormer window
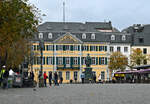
(112, 37)
(123, 37)
(50, 35)
(83, 36)
(93, 36)
(40, 35)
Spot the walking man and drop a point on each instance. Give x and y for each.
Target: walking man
(45, 77)
(82, 77)
(50, 78)
(56, 78)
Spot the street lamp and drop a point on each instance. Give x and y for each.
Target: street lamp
(41, 44)
(41, 80)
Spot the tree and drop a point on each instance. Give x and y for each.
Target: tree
(137, 57)
(18, 23)
(118, 61)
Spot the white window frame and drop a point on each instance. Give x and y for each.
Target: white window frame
(125, 49)
(123, 37)
(75, 60)
(102, 60)
(111, 49)
(75, 47)
(50, 35)
(67, 60)
(93, 36)
(67, 75)
(83, 36)
(40, 35)
(93, 60)
(112, 37)
(60, 60)
(50, 61)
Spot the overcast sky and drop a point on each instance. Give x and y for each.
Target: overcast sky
(122, 13)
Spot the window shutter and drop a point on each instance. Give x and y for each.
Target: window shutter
(71, 63)
(78, 60)
(87, 48)
(96, 48)
(56, 60)
(71, 47)
(53, 60)
(100, 48)
(99, 60)
(105, 60)
(105, 48)
(96, 60)
(82, 60)
(91, 48)
(64, 48)
(78, 47)
(82, 48)
(64, 61)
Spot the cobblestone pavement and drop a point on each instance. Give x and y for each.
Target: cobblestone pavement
(79, 94)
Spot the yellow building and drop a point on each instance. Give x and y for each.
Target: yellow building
(67, 44)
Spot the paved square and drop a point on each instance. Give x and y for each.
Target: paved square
(79, 94)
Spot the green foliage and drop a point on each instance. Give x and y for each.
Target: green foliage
(18, 23)
(118, 61)
(137, 57)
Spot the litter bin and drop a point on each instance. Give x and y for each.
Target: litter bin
(17, 82)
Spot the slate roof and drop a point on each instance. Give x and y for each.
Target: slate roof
(77, 29)
(139, 32)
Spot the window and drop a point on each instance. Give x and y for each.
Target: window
(49, 47)
(112, 37)
(144, 50)
(93, 36)
(50, 35)
(118, 49)
(75, 60)
(38, 60)
(59, 47)
(49, 60)
(67, 47)
(111, 49)
(67, 61)
(83, 36)
(75, 47)
(83, 60)
(102, 61)
(93, 61)
(40, 35)
(102, 75)
(123, 37)
(60, 60)
(67, 75)
(141, 40)
(93, 48)
(125, 49)
(145, 62)
(75, 75)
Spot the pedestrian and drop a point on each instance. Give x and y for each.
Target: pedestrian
(56, 79)
(50, 78)
(32, 75)
(94, 78)
(82, 77)
(5, 79)
(45, 77)
(99, 78)
(61, 80)
(1, 75)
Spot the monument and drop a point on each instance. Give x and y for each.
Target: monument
(88, 70)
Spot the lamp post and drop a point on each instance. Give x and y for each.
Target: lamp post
(41, 80)
(41, 58)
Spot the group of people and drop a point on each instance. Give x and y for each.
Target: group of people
(52, 77)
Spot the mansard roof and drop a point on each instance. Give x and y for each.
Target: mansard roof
(139, 32)
(58, 29)
(74, 26)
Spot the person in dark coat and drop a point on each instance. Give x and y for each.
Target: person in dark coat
(5, 79)
(61, 80)
(50, 78)
(94, 78)
(56, 78)
(32, 75)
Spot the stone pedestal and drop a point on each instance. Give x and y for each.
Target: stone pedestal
(88, 75)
